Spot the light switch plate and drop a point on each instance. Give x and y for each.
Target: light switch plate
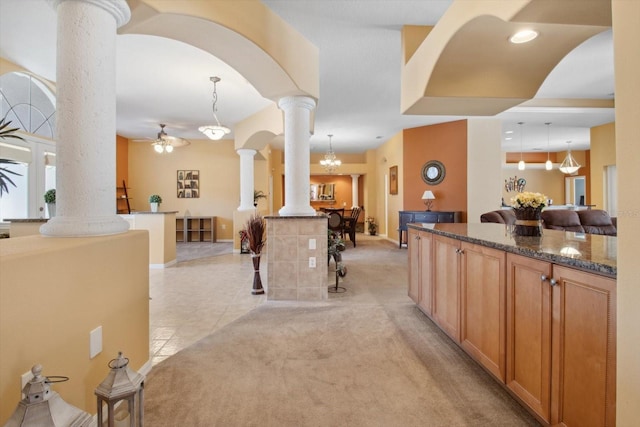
(95, 342)
(312, 262)
(312, 244)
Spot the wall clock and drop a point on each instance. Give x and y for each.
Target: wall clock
(433, 172)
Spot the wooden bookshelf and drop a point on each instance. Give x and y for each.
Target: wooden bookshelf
(196, 229)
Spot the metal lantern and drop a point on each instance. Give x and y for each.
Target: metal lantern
(43, 407)
(122, 384)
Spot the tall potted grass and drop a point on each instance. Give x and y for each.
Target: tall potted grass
(255, 228)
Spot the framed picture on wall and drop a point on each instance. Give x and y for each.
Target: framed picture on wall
(188, 184)
(393, 180)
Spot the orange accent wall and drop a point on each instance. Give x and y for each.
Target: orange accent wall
(447, 143)
(122, 160)
(539, 157)
(342, 190)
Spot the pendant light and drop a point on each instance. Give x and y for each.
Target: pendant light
(330, 161)
(521, 164)
(569, 164)
(548, 165)
(217, 131)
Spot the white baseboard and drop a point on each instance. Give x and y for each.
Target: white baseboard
(159, 266)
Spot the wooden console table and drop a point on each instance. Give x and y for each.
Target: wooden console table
(433, 217)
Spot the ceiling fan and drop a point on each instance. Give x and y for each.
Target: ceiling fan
(165, 143)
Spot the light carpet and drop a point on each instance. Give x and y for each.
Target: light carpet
(367, 357)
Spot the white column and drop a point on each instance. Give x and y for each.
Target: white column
(246, 179)
(86, 118)
(297, 116)
(354, 190)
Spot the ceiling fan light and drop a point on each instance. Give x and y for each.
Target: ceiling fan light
(158, 148)
(214, 132)
(168, 148)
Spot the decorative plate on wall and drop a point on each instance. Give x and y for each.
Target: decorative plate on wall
(433, 172)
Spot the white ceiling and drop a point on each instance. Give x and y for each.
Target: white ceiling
(165, 81)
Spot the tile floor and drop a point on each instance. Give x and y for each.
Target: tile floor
(196, 297)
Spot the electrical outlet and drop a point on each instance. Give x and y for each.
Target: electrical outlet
(312, 244)
(312, 262)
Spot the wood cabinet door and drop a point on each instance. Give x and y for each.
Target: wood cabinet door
(413, 243)
(584, 349)
(483, 306)
(425, 301)
(529, 332)
(446, 285)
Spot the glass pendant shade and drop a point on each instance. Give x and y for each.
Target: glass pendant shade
(521, 164)
(217, 131)
(569, 164)
(548, 165)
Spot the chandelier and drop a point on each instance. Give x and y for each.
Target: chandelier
(217, 131)
(330, 162)
(569, 165)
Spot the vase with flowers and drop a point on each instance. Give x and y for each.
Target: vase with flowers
(527, 207)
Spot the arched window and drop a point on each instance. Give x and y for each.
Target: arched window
(29, 105)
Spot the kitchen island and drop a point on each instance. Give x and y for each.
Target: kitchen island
(537, 313)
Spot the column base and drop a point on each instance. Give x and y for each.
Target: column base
(72, 226)
(297, 211)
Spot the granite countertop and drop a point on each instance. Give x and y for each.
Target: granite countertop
(589, 252)
(27, 219)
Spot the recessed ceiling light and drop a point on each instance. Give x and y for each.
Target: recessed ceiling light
(508, 138)
(523, 36)
(509, 131)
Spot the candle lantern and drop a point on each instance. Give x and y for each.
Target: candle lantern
(44, 407)
(122, 384)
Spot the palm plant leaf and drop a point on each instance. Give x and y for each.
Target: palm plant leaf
(7, 132)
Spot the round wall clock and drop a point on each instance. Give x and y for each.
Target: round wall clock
(433, 172)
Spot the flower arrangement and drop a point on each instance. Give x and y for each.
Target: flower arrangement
(50, 196)
(528, 199)
(155, 198)
(372, 226)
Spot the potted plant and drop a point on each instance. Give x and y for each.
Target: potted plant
(50, 200)
(4, 177)
(155, 201)
(257, 195)
(255, 229)
(372, 226)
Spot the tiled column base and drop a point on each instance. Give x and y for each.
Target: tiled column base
(289, 276)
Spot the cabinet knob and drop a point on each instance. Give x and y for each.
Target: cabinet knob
(543, 278)
(459, 251)
(553, 282)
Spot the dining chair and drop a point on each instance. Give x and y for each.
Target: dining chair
(350, 224)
